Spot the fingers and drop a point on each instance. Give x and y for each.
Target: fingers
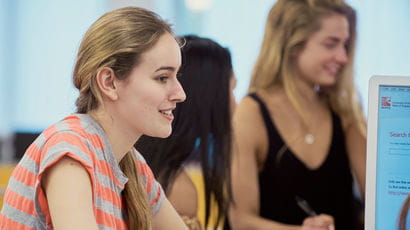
(191, 222)
(324, 219)
(319, 222)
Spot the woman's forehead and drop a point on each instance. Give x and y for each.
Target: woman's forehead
(165, 53)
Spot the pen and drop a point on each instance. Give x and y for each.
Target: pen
(304, 205)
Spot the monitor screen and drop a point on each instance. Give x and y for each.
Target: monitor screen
(393, 154)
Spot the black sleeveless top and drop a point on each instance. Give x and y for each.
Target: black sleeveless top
(328, 189)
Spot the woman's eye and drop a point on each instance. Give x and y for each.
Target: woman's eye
(330, 45)
(163, 78)
(346, 46)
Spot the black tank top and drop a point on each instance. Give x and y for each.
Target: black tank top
(328, 189)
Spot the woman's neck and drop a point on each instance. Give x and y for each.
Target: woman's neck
(307, 92)
(119, 135)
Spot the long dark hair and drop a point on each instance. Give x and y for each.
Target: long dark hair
(202, 125)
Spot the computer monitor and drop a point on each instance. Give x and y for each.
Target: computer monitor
(388, 151)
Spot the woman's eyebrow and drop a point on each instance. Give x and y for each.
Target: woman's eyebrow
(335, 39)
(170, 68)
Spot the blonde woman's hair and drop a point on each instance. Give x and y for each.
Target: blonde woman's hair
(289, 25)
(117, 40)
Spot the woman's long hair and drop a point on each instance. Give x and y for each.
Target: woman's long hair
(117, 40)
(402, 221)
(202, 126)
(289, 25)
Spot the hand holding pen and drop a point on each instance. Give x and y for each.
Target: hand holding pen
(314, 221)
(304, 205)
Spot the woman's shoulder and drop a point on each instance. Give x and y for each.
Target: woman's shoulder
(72, 137)
(270, 98)
(183, 193)
(79, 124)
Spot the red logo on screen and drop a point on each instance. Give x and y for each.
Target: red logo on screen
(386, 101)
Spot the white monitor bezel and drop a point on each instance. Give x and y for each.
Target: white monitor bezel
(371, 152)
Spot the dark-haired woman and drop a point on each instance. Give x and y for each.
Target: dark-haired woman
(193, 164)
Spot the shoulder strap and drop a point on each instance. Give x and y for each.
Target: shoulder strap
(265, 114)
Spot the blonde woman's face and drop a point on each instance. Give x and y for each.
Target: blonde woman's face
(150, 94)
(324, 54)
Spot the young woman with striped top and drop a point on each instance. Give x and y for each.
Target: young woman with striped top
(83, 172)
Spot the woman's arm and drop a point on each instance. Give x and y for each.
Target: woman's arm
(168, 218)
(183, 196)
(356, 150)
(250, 138)
(67, 186)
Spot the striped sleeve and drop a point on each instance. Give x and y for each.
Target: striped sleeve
(154, 190)
(25, 204)
(67, 144)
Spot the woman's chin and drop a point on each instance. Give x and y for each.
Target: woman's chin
(161, 134)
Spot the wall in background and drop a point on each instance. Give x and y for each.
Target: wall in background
(5, 75)
(383, 45)
(6, 81)
(44, 46)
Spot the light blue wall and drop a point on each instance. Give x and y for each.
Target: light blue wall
(239, 25)
(383, 41)
(5, 72)
(45, 40)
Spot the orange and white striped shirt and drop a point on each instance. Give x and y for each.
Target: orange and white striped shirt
(81, 138)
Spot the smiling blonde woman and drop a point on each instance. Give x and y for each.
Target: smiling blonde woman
(300, 133)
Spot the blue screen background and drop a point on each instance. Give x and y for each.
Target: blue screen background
(393, 154)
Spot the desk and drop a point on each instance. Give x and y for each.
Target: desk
(5, 173)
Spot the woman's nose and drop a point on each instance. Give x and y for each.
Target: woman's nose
(178, 93)
(341, 55)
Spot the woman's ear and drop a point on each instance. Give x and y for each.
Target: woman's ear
(106, 82)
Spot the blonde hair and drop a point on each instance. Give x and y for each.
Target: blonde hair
(117, 40)
(289, 25)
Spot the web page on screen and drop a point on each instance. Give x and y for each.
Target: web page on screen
(393, 154)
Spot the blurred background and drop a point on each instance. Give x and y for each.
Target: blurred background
(39, 40)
